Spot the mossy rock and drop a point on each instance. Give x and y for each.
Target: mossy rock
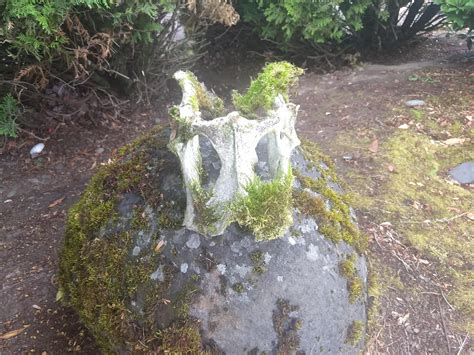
(143, 284)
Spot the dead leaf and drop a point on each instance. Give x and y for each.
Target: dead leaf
(374, 146)
(13, 333)
(159, 246)
(59, 295)
(56, 202)
(454, 141)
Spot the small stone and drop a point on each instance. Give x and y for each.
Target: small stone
(194, 242)
(36, 150)
(415, 103)
(463, 173)
(184, 268)
(99, 150)
(221, 268)
(158, 275)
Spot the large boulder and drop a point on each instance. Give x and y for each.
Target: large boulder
(143, 284)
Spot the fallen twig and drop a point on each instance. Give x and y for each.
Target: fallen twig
(444, 327)
(462, 345)
(33, 135)
(442, 294)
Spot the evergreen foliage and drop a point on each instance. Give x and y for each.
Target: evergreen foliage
(328, 25)
(9, 113)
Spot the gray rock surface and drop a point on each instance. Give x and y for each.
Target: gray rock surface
(463, 173)
(237, 302)
(247, 296)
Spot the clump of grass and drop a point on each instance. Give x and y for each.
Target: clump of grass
(275, 78)
(355, 332)
(266, 209)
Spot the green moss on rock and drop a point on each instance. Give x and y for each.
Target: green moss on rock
(355, 332)
(238, 287)
(275, 78)
(266, 209)
(205, 216)
(335, 221)
(286, 327)
(347, 268)
(206, 101)
(181, 338)
(99, 276)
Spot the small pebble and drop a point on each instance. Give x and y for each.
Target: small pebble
(36, 150)
(415, 103)
(193, 242)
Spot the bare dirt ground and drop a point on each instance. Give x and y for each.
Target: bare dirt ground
(413, 316)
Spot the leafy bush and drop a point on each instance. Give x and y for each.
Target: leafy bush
(86, 33)
(460, 15)
(331, 25)
(99, 45)
(78, 36)
(9, 114)
(317, 21)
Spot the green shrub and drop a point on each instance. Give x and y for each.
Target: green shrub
(460, 15)
(330, 27)
(9, 114)
(129, 45)
(296, 20)
(34, 27)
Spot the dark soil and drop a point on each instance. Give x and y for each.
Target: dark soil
(35, 194)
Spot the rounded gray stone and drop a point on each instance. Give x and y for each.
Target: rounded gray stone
(247, 296)
(463, 173)
(415, 103)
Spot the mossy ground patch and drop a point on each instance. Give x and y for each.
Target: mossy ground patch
(406, 184)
